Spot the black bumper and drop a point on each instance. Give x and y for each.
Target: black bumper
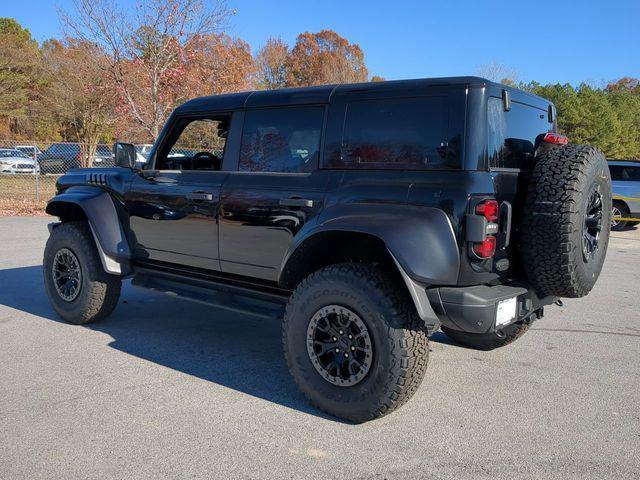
(473, 309)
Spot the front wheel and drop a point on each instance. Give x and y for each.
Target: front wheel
(354, 342)
(78, 288)
(488, 341)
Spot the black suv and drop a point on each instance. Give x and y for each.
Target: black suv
(368, 215)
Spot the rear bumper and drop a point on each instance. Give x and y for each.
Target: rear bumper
(474, 309)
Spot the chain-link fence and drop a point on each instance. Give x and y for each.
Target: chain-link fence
(29, 170)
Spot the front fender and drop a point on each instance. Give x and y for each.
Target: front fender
(103, 220)
(420, 238)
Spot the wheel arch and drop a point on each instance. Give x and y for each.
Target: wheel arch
(96, 207)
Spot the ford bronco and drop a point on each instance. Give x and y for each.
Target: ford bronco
(367, 216)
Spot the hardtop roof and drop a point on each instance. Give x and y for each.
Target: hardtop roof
(322, 94)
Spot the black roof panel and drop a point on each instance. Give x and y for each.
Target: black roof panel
(322, 94)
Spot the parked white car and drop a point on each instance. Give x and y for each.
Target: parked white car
(15, 161)
(28, 150)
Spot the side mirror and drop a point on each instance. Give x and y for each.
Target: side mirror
(125, 155)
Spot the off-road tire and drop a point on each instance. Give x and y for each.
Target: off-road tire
(400, 345)
(558, 196)
(99, 291)
(624, 212)
(488, 341)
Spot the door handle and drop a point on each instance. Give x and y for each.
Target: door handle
(200, 196)
(296, 202)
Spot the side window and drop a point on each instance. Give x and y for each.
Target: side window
(281, 139)
(616, 172)
(405, 133)
(632, 174)
(513, 134)
(200, 145)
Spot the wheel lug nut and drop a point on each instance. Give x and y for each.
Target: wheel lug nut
(346, 355)
(350, 337)
(337, 350)
(353, 349)
(341, 332)
(335, 339)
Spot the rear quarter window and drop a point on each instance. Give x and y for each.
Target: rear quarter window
(400, 133)
(513, 134)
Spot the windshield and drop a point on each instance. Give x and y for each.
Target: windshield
(12, 153)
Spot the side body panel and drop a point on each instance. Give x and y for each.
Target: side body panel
(173, 217)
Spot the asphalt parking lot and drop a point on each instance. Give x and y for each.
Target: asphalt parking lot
(166, 388)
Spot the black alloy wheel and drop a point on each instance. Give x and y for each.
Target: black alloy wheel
(339, 345)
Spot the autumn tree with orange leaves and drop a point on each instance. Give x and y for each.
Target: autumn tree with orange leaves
(315, 59)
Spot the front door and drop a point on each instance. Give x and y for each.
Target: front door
(275, 192)
(173, 208)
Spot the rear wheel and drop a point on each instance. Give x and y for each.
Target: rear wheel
(78, 288)
(619, 210)
(354, 342)
(488, 341)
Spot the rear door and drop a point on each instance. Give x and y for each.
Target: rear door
(173, 208)
(276, 190)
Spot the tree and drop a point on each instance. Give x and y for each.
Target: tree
(497, 72)
(222, 63)
(20, 76)
(272, 64)
(148, 52)
(80, 94)
(323, 58)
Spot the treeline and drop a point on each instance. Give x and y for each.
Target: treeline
(119, 75)
(607, 117)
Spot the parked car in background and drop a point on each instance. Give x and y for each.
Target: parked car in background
(29, 150)
(144, 149)
(15, 161)
(103, 157)
(625, 184)
(61, 157)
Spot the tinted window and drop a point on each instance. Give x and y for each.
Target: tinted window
(619, 172)
(407, 133)
(62, 148)
(513, 134)
(281, 139)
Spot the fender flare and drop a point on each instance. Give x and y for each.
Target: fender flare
(420, 238)
(105, 224)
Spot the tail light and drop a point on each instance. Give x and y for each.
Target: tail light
(555, 138)
(490, 210)
(487, 248)
(483, 239)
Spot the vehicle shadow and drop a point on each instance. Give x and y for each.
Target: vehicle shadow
(237, 351)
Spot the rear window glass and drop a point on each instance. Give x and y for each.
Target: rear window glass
(513, 134)
(406, 133)
(619, 172)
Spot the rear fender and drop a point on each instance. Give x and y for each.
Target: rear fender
(103, 219)
(421, 239)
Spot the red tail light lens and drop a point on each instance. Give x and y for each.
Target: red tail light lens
(486, 249)
(555, 138)
(490, 209)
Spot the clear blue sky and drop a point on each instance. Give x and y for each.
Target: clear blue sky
(549, 41)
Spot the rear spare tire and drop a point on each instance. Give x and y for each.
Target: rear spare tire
(566, 221)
